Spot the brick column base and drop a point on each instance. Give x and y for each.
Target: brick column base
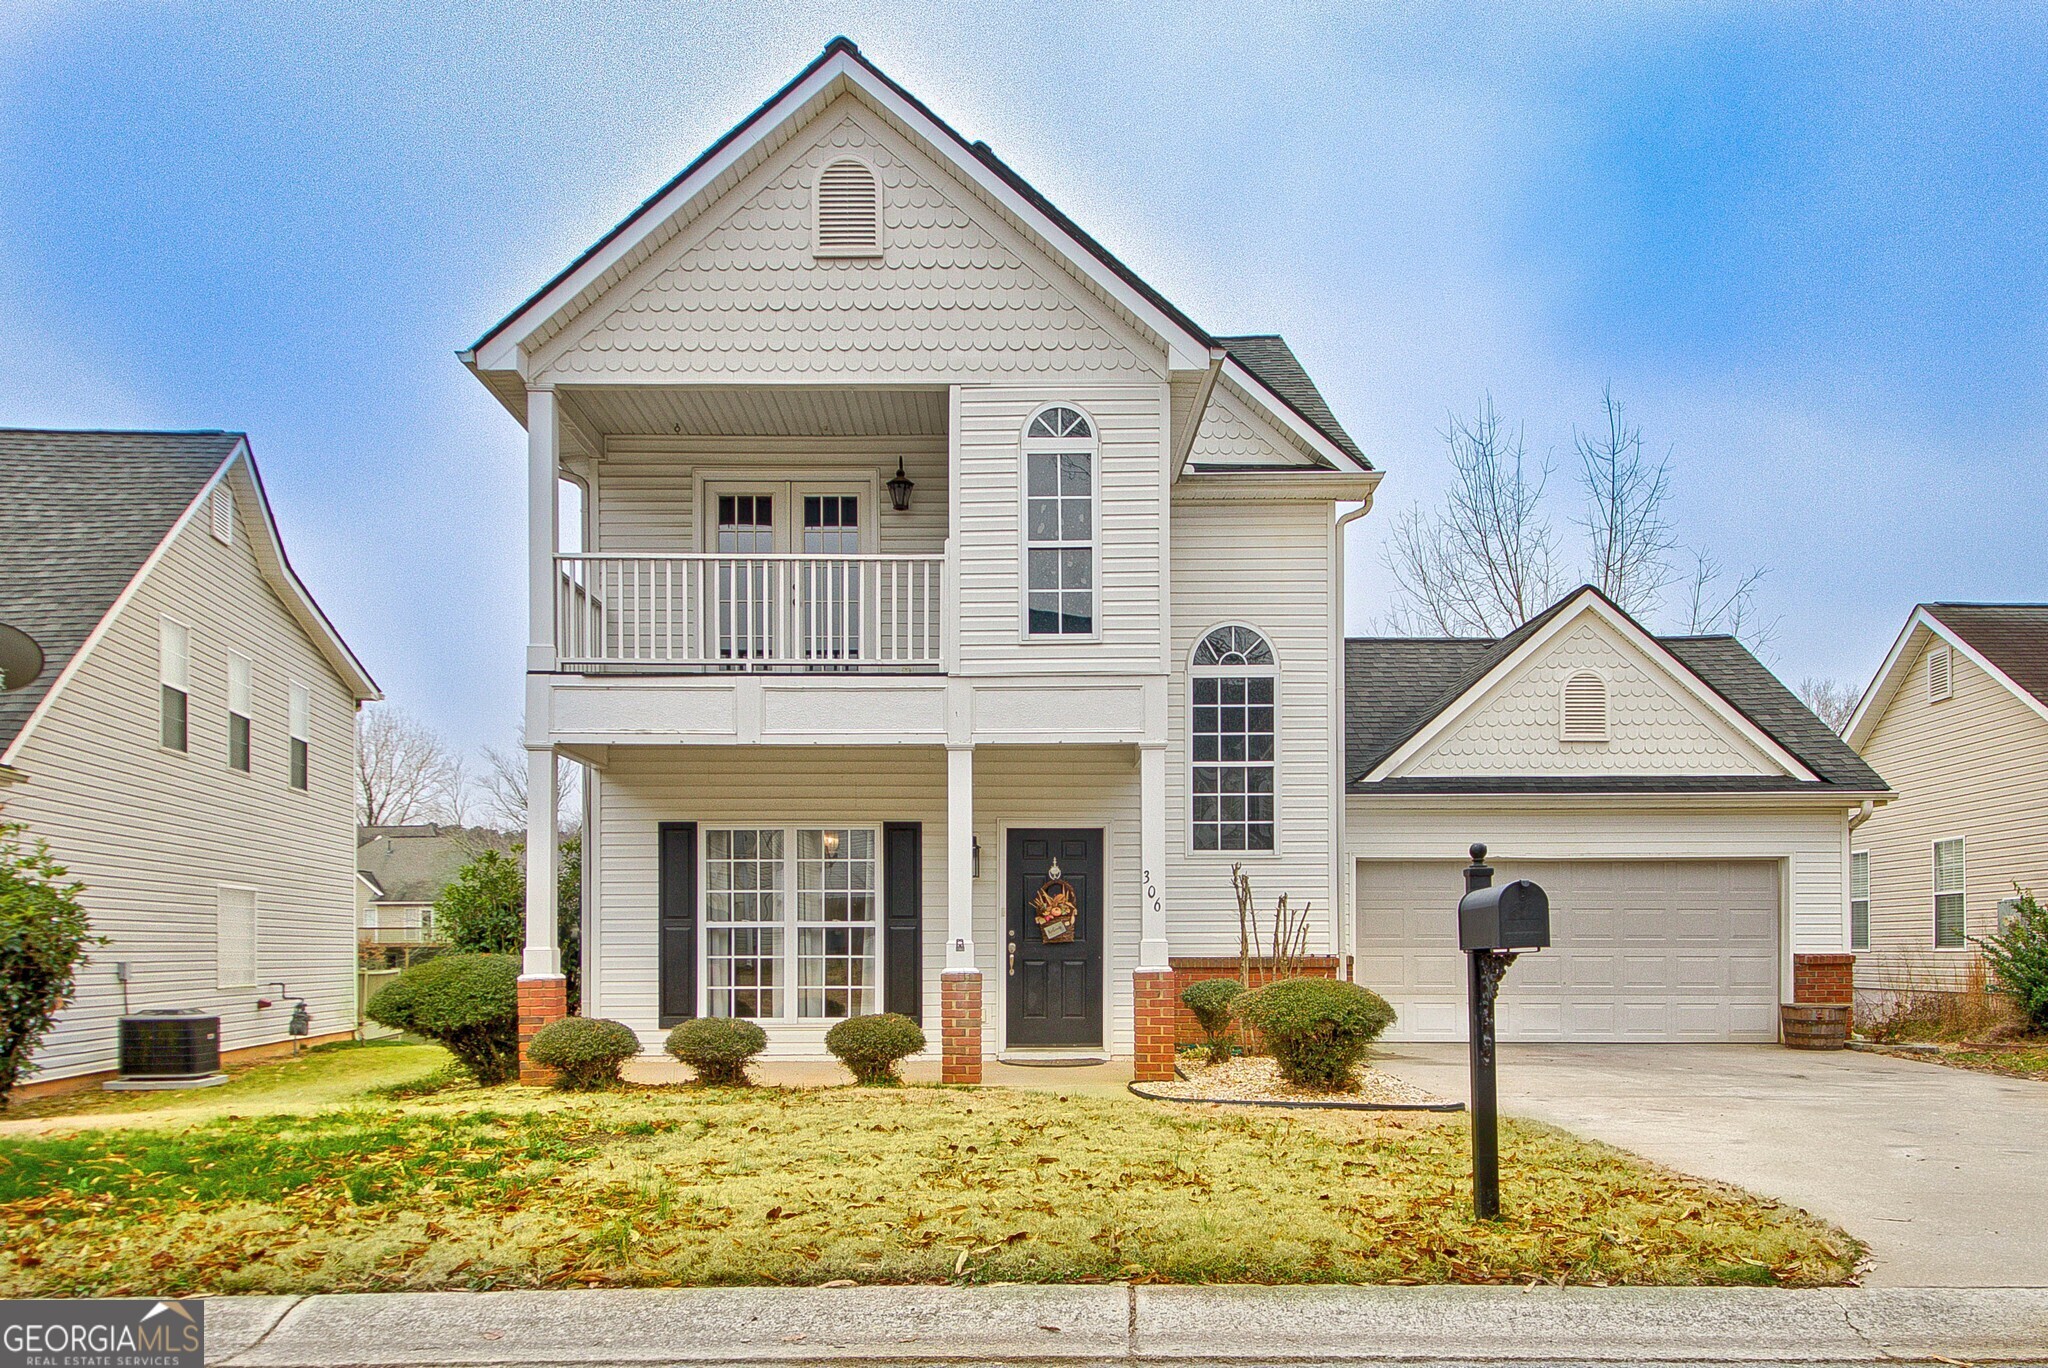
(960, 1026)
(1823, 978)
(1156, 996)
(542, 998)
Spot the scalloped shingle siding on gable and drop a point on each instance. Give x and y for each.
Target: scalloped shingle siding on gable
(947, 295)
(1228, 438)
(1654, 730)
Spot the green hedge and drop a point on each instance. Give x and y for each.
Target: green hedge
(1317, 1029)
(468, 1003)
(2018, 958)
(872, 1046)
(586, 1052)
(718, 1048)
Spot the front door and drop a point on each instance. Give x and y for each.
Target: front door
(1055, 986)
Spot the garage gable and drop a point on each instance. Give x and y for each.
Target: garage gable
(1589, 694)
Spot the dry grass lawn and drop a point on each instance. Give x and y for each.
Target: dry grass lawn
(515, 1187)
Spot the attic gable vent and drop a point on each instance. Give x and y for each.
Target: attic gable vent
(1940, 674)
(221, 505)
(849, 211)
(1583, 716)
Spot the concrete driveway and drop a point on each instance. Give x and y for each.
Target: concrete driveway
(1942, 1172)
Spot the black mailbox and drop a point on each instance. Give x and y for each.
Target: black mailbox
(1513, 916)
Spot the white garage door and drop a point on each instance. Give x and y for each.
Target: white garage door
(1640, 950)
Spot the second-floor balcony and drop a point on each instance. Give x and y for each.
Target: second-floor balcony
(715, 613)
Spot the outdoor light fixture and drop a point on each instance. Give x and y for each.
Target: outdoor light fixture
(900, 486)
(977, 856)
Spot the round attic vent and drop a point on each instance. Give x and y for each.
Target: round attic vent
(21, 660)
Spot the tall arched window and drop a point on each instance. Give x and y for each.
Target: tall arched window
(1232, 733)
(1059, 523)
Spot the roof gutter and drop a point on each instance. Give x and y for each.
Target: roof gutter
(1184, 442)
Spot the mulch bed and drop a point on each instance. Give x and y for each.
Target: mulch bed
(1254, 1081)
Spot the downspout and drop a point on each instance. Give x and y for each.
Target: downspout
(1345, 886)
(1184, 443)
(1858, 816)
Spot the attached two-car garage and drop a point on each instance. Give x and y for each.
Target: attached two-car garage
(1641, 950)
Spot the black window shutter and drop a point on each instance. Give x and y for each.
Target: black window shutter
(678, 922)
(903, 919)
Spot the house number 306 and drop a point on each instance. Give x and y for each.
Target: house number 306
(1151, 889)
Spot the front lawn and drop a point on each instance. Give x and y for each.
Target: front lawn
(516, 1187)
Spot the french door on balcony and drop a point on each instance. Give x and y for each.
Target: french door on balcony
(785, 586)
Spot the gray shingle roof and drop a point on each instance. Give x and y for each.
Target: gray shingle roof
(2012, 636)
(412, 864)
(1273, 364)
(79, 514)
(1394, 686)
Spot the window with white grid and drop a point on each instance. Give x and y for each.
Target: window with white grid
(241, 709)
(1950, 925)
(1059, 524)
(837, 915)
(1859, 900)
(1232, 732)
(744, 912)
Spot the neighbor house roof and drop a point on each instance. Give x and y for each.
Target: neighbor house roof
(82, 513)
(1395, 686)
(2009, 641)
(412, 864)
(1264, 360)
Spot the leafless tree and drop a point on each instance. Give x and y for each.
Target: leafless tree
(1628, 537)
(1717, 604)
(1832, 701)
(501, 780)
(405, 772)
(1486, 561)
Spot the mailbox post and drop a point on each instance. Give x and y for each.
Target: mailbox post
(1493, 925)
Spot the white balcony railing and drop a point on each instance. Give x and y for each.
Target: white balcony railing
(750, 612)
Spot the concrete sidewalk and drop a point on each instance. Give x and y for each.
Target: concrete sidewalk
(1124, 1324)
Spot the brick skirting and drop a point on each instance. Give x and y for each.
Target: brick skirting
(1823, 978)
(542, 999)
(1156, 998)
(1188, 1031)
(960, 1026)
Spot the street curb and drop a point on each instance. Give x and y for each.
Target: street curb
(1122, 1324)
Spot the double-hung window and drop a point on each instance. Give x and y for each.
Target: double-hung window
(1232, 733)
(1859, 900)
(174, 682)
(301, 719)
(1950, 925)
(791, 922)
(1059, 523)
(241, 690)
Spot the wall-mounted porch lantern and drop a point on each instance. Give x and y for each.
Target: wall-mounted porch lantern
(977, 855)
(900, 486)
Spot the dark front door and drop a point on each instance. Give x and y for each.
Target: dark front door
(1055, 990)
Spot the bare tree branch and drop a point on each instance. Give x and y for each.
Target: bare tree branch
(1485, 562)
(1832, 701)
(501, 778)
(405, 772)
(1628, 536)
(1716, 605)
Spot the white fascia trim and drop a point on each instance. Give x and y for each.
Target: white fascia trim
(1823, 798)
(360, 684)
(1257, 391)
(1645, 644)
(1884, 686)
(501, 350)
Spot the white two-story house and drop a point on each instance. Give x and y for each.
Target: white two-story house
(934, 572)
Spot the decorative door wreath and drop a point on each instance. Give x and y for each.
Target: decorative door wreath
(1056, 909)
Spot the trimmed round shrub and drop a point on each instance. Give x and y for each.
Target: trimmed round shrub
(1318, 1029)
(586, 1052)
(718, 1048)
(1210, 1001)
(467, 1003)
(871, 1046)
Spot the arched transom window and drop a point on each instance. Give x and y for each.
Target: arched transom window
(1232, 735)
(1059, 523)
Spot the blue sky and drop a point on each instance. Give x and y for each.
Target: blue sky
(1808, 245)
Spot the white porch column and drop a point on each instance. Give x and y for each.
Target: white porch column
(543, 467)
(960, 857)
(1152, 948)
(543, 956)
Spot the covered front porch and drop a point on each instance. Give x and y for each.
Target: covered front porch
(797, 885)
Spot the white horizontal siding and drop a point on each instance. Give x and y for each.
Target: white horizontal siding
(1265, 565)
(1974, 765)
(151, 832)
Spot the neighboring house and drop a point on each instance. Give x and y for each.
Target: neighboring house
(405, 868)
(1957, 719)
(188, 749)
(1688, 816)
(926, 548)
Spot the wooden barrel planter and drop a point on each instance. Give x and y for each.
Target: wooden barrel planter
(1815, 1025)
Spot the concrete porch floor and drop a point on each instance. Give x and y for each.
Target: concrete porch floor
(1087, 1080)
